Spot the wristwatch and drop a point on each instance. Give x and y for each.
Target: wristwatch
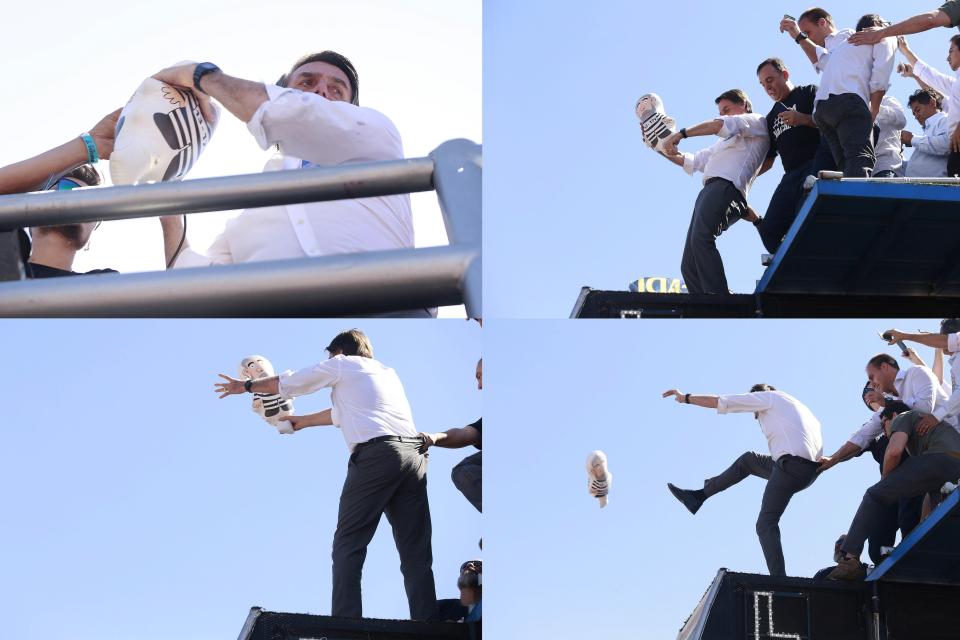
(248, 385)
(201, 70)
(800, 37)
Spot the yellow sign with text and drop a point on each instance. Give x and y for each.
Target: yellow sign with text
(658, 284)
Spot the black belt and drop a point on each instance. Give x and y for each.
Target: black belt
(799, 459)
(715, 178)
(417, 440)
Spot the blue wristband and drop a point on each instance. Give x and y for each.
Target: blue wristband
(92, 155)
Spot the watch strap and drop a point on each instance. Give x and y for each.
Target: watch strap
(201, 70)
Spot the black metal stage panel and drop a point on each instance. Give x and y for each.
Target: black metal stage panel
(743, 606)
(625, 304)
(856, 250)
(271, 625)
(930, 554)
(871, 238)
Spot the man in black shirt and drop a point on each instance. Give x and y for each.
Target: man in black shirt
(795, 138)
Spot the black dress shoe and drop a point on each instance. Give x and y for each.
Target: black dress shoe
(690, 499)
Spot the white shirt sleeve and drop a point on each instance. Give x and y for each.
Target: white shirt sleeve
(744, 402)
(937, 143)
(923, 393)
(324, 132)
(693, 162)
(823, 58)
(953, 342)
(939, 81)
(866, 434)
(883, 56)
(749, 125)
(304, 381)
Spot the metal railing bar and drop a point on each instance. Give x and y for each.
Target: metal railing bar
(315, 184)
(343, 285)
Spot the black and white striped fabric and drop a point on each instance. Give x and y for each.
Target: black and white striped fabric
(186, 132)
(160, 134)
(273, 404)
(655, 125)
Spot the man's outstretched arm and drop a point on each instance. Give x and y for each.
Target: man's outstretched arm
(917, 24)
(935, 340)
(708, 402)
(451, 438)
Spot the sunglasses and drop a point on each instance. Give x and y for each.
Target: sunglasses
(66, 184)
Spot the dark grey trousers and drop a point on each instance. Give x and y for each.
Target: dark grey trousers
(384, 478)
(784, 205)
(785, 477)
(913, 477)
(845, 123)
(468, 478)
(718, 206)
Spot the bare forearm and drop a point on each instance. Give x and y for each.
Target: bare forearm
(455, 438)
(845, 452)
(708, 402)
(707, 128)
(28, 175)
(935, 340)
(319, 419)
(269, 385)
(875, 98)
(173, 234)
(917, 24)
(240, 97)
(767, 163)
(810, 50)
(890, 462)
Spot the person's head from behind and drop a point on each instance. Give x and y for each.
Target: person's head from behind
(76, 235)
(924, 103)
(327, 74)
(733, 103)
(871, 21)
(350, 343)
(480, 373)
(817, 24)
(953, 53)
(774, 77)
(882, 370)
(891, 410)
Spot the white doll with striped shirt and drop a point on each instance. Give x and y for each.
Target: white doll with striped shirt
(273, 408)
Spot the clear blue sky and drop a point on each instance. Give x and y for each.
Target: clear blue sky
(571, 192)
(135, 499)
(557, 390)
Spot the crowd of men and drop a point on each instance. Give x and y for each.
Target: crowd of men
(312, 116)
(846, 123)
(386, 472)
(913, 433)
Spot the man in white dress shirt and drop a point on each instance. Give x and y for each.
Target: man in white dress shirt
(931, 149)
(950, 88)
(314, 118)
(795, 441)
(729, 168)
(386, 473)
(917, 387)
(949, 341)
(853, 82)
